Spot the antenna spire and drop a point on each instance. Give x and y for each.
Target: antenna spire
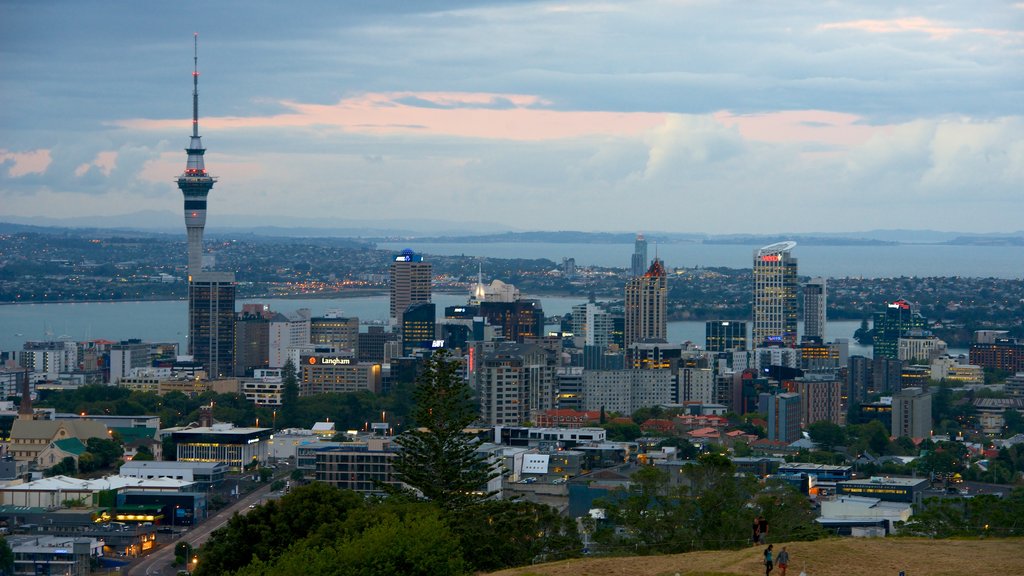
(195, 85)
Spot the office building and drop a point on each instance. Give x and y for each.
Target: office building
(211, 295)
(646, 307)
(821, 399)
(288, 331)
(515, 382)
(335, 329)
(723, 335)
(129, 355)
(898, 319)
(886, 375)
(626, 391)
(784, 415)
(252, 339)
(858, 378)
(211, 307)
(419, 327)
(236, 447)
(519, 320)
(815, 305)
(333, 374)
(410, 279)
(638, 262)
(363, 466)
(591, 326)
(775, 299)
(912, 413)
(1002, 354)
(47, 360)
(920, 348)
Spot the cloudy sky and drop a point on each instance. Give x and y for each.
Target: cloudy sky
(653, 115)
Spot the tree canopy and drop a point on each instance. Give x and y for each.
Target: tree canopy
(438, 457)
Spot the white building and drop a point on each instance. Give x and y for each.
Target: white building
(951, 370)
(515, 382)
(287, 331)
(920, 348)
(264, 388)
(859, 511)
(128, 357)
(697, 385)
(54, 491)
(625, 391)
(46, 360)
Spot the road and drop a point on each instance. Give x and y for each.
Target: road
(158, 563)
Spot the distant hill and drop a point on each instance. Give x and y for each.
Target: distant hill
(833, 557)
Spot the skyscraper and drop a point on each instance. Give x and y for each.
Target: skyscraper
(211, 295)
(647, 306)
(639, 259)
(722, 335)
(898, 319)
(410, 282)
(912, 413)
(775, 302)
(815, 298)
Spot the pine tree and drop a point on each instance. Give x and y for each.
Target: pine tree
(438, 457)
(289, 395)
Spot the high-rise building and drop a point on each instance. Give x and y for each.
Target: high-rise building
(335, 329)
(912, 413)
(252, 339)
(784, 412)
(722, 335)
(639, 259)
(46, 360)
(647, 306)
(898, 320)
(410, 283)
(211, 295)
(419, 327)
(520, 320)
(815, 302)
(515, 383)
(211, 312)
(591, 326)
(775, 300)
(129, 355)
(821, 400)
(858, 378)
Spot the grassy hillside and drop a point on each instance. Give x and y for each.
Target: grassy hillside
(834, 557)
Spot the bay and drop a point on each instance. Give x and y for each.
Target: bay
(920, 260)
(165, 321)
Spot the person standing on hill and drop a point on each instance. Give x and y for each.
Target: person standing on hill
(783, 561)
(768, 560)
(754, 533)
(762, 529)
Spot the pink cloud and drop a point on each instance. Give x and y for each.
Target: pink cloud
(517, 117)
(820, 126)
(105, 162)
(934, 30)
(32, 162)
(468, 115)
(168, 165)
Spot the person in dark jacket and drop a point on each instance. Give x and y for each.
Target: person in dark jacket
(783, 561)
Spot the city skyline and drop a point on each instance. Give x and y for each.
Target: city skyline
(892, 117)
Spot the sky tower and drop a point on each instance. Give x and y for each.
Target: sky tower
(211, 295)
(195, 183)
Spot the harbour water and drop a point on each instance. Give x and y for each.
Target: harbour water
(919, 260)
(164, 321)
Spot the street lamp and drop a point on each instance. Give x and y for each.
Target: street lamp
(174, 517)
